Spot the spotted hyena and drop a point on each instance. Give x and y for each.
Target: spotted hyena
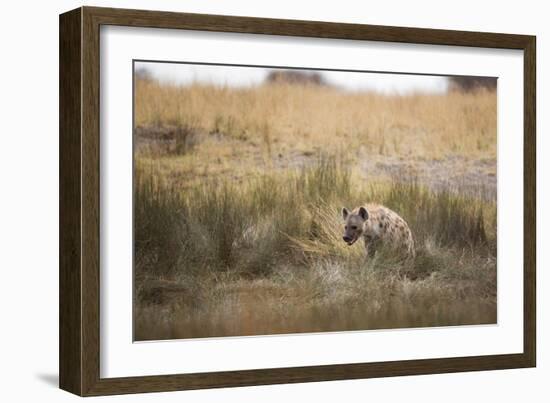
(378, 225)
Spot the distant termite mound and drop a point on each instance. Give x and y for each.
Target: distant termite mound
(295, 77)
(471, 84)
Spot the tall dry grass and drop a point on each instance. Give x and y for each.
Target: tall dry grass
(281, 118)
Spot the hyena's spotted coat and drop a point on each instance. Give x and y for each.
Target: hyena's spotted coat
(378, 225)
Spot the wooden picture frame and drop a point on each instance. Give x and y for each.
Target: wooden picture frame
(79, 201)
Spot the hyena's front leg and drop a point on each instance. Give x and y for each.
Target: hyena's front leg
(370, 249)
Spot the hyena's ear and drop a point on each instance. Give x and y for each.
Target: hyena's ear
(345, 213)
(363, 213)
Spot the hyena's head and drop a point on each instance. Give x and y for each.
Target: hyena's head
(354, 224)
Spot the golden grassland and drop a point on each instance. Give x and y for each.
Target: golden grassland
(306, 118)
(237, 199)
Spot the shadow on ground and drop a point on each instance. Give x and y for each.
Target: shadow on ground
(49, 379)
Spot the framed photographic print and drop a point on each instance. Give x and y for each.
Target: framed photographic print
(249, 201)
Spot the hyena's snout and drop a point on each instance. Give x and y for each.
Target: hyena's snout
(350, 237)
(347, 239)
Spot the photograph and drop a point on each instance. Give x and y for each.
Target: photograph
(272, 200)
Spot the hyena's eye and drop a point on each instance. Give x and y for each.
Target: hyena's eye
(354, 227)
(346, 227)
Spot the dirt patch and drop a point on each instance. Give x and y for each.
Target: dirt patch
(459, 175)
(471, 177)
(166, 140)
